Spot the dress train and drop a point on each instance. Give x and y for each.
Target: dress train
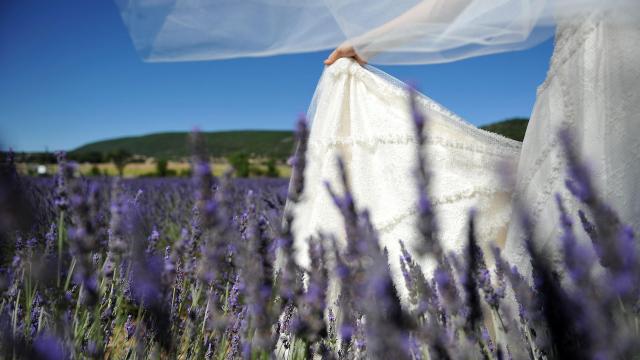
(363, 115)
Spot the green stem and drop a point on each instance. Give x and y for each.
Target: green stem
(60, 244)
(15, 313)
(75, 313)
(40, 320)
(71, 268)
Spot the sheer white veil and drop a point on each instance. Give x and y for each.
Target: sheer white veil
(383, 31)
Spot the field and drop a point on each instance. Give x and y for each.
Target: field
(201, 267)
(145, 169)
(144, 152)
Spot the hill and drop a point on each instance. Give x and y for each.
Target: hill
(175, 145)
(269, 143)
(511, 128)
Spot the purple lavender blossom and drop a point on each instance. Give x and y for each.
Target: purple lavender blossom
(469, 282)
(578, 260)
(49, 347)
(298, 161)
(64, 173)
(217, 291)
(427, 220)
(129, 327)
(152, 241)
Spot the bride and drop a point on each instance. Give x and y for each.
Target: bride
(362, 114)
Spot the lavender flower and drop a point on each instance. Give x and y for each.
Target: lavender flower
(49, 347)
(82, 239)
(311, 326)
(65, 172)
(421, 294)
(470, 283)
(50, 241)
(577, 260)
(129, 327)
(298, 161)
(218, 290)
(427, 224)
(152, 241)
(606, 220)
(211, 220)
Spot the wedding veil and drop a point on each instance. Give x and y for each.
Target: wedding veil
(383, 31)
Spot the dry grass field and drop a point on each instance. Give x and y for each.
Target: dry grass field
(147, 168)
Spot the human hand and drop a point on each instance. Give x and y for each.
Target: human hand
(345, 50)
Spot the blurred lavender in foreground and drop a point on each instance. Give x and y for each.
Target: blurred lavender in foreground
(204, 268)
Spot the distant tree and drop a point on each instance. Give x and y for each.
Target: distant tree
(272, 169)
(240, 162)
(37, 158)
(137, 160)
(256, 171)
(4, 157)
(95, 170)
(120, 159)
(162, 167)
(93, 157)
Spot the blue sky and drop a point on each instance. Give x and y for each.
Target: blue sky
(69, 75)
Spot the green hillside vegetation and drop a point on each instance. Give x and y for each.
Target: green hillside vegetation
(254, 143)
(511, 128)
(175, 145)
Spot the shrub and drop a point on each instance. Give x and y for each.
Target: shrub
(120, 159)
(240, 163)
(95, 170)
(162, 167)
(272, 169)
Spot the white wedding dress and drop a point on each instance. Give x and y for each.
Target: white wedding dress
(362, 114)
(593, 89)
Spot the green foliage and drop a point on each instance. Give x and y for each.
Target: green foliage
(31, 157)
(120, 159)
(271, 143)
(175, 145)
(256, 171)
(162, 167)
(185, 173)
(510, 128)
(272, 169)
(240, 162)
(95, 170)
(93, 157)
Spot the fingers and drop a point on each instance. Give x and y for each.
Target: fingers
(332, 58)
(338, 53)
(360, 60)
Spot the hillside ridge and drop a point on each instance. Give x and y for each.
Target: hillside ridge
(261, 143)
(175, 144)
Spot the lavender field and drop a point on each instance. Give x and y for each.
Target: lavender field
(202, 268)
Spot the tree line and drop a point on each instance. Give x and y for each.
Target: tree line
(240, 161)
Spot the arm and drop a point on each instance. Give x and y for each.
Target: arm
(436, 11)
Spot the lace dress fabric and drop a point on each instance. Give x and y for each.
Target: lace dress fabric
(592, 89)
(363, 115)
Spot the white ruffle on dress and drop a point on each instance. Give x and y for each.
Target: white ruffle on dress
(363, 115)
(593, 89)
